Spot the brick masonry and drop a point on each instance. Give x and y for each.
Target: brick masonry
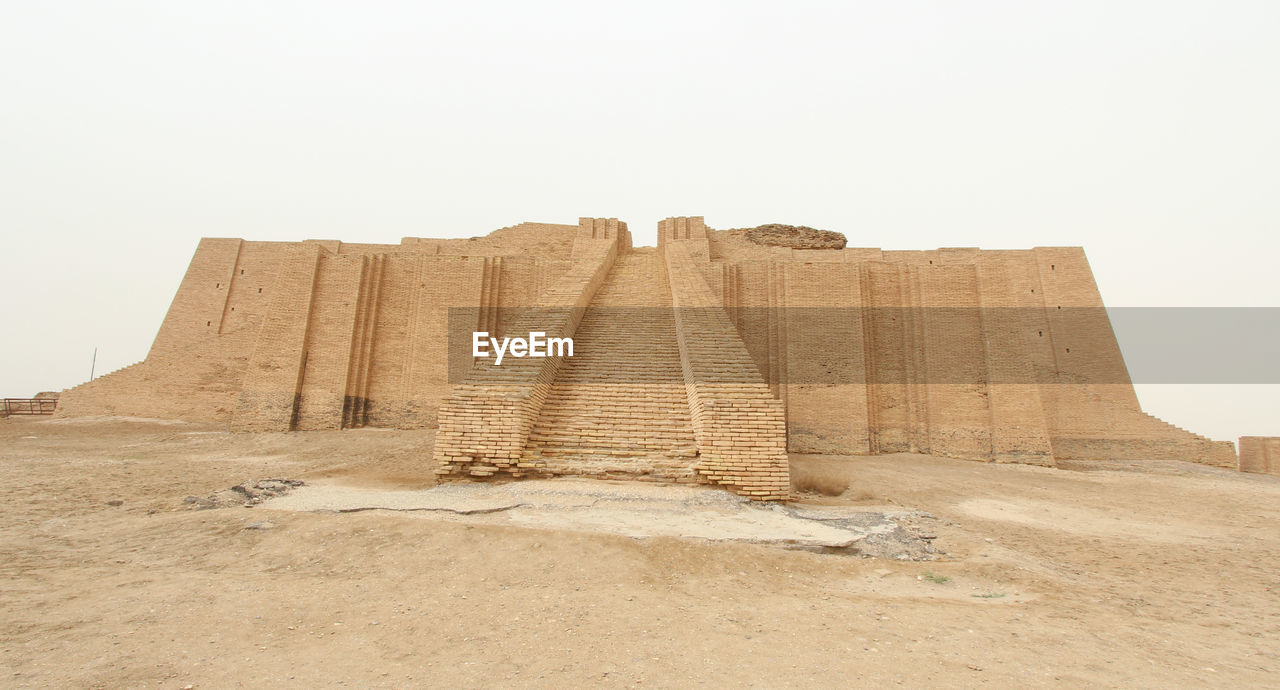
(751, 351)
(486, 421)
(1260, 454)
(739, 425)
(1034, 370)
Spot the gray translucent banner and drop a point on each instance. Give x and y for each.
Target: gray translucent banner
(910, 345)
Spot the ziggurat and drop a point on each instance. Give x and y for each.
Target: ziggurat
(705, 359)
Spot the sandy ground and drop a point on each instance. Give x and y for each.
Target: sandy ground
(1120, 574)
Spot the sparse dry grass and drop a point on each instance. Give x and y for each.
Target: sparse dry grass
(827, 481)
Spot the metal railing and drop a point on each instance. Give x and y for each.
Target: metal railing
(12, 406)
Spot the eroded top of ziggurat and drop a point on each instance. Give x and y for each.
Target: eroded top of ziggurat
(705, 359)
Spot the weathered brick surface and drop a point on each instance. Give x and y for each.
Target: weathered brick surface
(485, 422)
(822, 335)
(1033, 368)
(1019, 431)
(1260, 454)
(740, 428)
(767, 349)
(322, 334)
(618, 408)
(271, 388)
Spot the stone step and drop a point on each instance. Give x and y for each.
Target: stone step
(597, 434)
(565, 450)
(663, 391)
(639, 405)
(586, 415)
(588, 405)
(602, 363)
(654, 379)
(627, 410)
(621, 397)
(634, 447)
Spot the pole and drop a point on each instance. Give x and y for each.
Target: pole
(93, 365)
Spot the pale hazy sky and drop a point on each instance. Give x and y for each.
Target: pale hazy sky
(1144, 131)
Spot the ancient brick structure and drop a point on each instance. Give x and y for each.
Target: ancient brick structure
(1000, 355)
(704, 359)
(1260, 454)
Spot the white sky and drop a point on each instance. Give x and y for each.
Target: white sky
(1144, 131)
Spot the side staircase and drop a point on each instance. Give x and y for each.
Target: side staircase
(619, 406)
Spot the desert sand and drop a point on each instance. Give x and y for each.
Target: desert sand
(1103, 573)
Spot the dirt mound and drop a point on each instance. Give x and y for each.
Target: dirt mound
(794, 236)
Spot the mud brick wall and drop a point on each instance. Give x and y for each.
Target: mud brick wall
(334, 342)
(941, 352)
(1018, 429)
(1090, 404)
(745, 289)
(271, 386)
(740, 428)
(199, 356)
(817, 351)
(1159, 441)
(324, 334)
(891, 330)
(198, 310)
(407, 374)
(1260, 454)
(688, 228)
(369, 335)
(998, 355)
(245, 340)
(485, 422)
(203, 386)
(957, 420)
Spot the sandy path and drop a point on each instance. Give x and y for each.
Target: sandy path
(1125, 574)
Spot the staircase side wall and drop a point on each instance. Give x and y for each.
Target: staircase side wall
(740, 428)
(485, 422)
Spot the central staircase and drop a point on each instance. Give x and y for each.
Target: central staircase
(618, 407)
